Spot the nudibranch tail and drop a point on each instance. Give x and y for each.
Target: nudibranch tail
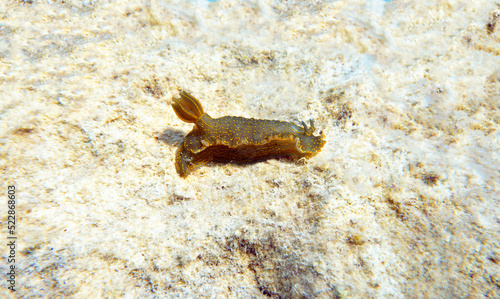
(183, 160)
(187, 108)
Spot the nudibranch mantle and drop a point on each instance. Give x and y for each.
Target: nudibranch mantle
(238, 139)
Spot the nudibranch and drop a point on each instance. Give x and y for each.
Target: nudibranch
(238, 139)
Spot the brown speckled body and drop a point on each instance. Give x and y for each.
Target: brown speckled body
(238, 139)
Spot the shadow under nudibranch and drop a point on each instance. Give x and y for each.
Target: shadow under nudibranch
(171, 136)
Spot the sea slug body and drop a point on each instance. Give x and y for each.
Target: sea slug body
(238, 139)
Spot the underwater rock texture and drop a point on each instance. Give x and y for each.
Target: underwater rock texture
(402, 201)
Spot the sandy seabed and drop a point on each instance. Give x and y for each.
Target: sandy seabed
(402, 201)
